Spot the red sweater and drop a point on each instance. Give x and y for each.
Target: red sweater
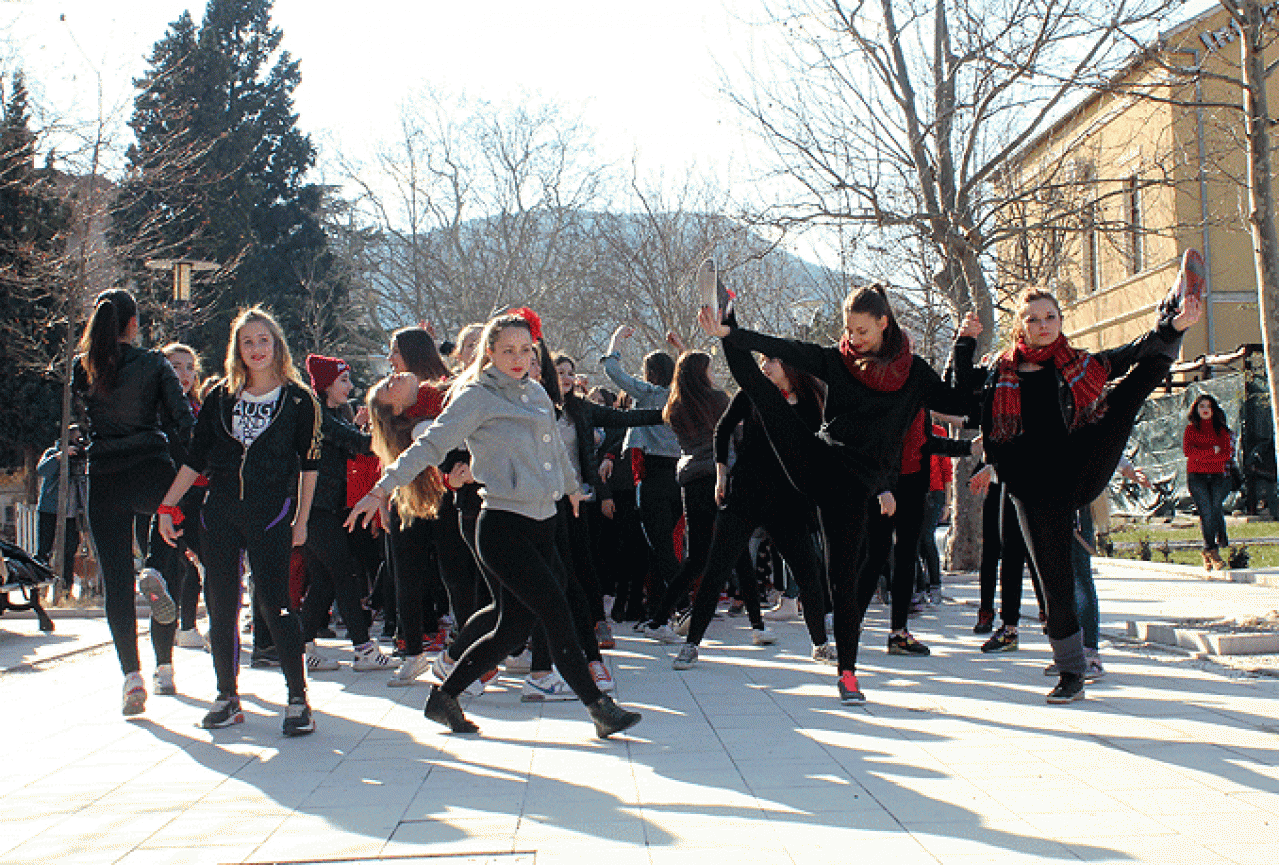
(1207, 451)
(942, 471)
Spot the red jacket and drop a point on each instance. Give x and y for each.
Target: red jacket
(943, 471)
(1207, 450)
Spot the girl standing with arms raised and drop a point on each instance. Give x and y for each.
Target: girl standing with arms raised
(258, 442)
(126, 390)
(508, 425)
(875, 389)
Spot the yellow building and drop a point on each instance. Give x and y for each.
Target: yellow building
(1120, 186)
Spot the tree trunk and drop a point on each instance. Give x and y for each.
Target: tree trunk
(1265, 242)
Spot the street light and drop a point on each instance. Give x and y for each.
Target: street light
(182, 269)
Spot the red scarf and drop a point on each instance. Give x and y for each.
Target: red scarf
(430, 402)
(878, 373)
(1084, 374)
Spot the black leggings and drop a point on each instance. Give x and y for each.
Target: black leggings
(658, 499)
(818, 470)
(625, 553)
(410, 564)
(187, 575)
(115, 500)
(519, 553)
(906, 523)
(699, 523)
(578, 602)
(792, 533)
(334, 572)
(1088, 460)
(459, 569)
(264, 530)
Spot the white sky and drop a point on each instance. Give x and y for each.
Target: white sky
(645, 76)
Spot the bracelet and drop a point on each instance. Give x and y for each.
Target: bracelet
(173, 512)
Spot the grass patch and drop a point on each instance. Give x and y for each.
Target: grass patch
(1260, 556)
(1155, 532)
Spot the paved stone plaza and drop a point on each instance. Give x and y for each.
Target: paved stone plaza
(748, 757)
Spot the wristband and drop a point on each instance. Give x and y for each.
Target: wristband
(174, 512)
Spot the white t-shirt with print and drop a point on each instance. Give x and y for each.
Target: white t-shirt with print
(252, 414)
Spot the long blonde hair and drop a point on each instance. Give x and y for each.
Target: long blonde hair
(237, 374)
(392, 433)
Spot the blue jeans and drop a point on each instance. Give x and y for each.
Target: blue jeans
(1085, 588)
(934, 504)
(1209, 491)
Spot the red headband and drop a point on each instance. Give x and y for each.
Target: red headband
(534, 321)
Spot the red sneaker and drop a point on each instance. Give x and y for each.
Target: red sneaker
(850, 694)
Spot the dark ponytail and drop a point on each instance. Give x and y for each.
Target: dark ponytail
(100, 342)
(873, 300)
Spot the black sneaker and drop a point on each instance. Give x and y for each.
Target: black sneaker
(1070, 688)
(225, 712)
(1004, 640)
(263, 658)
(985, 622)
(906, 644)
(298, 720)
(442, 708)
(611, 718)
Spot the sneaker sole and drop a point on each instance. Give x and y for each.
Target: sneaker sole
(134, 704)
(163, 610)
(895, 651)
(857, 700)
(1061, 701)
(300, 731)
(998, 649)
(539, 698)
(237, 718)
(707, 288)
(1192, 264)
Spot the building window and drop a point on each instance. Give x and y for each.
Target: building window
(1136, 243)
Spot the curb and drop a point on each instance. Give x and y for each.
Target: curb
(1268, 577)
(1203, 641)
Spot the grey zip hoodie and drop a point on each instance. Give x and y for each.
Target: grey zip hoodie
(517, 453)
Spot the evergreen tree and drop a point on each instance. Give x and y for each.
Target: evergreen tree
(217, 171)
(32, 222)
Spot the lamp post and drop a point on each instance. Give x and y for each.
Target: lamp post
(182, 269)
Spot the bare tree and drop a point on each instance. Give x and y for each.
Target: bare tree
(900, 115)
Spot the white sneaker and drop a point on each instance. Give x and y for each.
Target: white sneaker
(370, 658)
(521, 663)
(191, 639)
(477, 687)
(787, 610)
(664, 634)
(550, 688)
(683, 623)
(162, 681)
(152, 586)
(826, 654)
(135, 694)
(442, 666)
(763, 636)
(317, 663)
(409, 670)
(603, 678)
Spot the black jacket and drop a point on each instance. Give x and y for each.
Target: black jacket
(865, 425)
(586, 416)
(757, 475)
(343, 440)
(125, 425)
(291, 443)
(1159, 342)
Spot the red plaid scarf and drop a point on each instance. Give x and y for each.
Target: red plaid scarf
(1084, 374)
(878, 373)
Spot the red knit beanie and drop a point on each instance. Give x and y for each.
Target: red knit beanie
(324, 371)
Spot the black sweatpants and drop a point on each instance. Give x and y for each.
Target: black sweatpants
(115, 501)
(459, 570)
(579, 603)
(48, 532)
(699, 523)
(334, 573)
(262, 527)
(792, 533)
(520, 554)
(660, 507)
(1047, 515)
(624, 552)
(410, 563)
(818, 470)
(905, 524)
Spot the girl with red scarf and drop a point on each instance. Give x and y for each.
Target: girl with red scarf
(1055, 436)
(876, 389)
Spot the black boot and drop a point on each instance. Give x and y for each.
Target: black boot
(442, 708)
(1070, 687)
(611, 718)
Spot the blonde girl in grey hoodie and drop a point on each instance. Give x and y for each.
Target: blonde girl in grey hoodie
(507, 422)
